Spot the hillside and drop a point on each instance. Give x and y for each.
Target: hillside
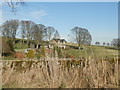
(96, 52)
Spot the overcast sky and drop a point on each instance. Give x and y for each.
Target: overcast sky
(100, 18)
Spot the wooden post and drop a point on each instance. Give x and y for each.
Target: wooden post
(0, 47)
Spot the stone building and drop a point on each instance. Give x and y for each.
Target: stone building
(61, 43)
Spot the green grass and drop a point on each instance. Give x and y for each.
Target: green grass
(20, 46)
(92, 51)
(97, 52)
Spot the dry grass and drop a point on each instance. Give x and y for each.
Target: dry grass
(91, 73)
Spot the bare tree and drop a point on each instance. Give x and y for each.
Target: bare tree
(9, 28)
(23, 30)
(49, 32)
(43, 31)
(81, 36)
(32, 31)
(29, 30)
(38, 33)
(56, 35)
(6, 29)
(116, 42)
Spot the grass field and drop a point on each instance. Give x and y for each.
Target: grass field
(95, 52)
(92, 50)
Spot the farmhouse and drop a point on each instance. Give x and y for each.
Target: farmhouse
(61, 43)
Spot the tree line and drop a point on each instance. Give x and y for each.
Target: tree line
(38, 32)
(115, 42)
(27, 30)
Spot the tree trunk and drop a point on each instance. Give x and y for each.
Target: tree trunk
(36, 46)
(0, 55)
(1, 47)
(14, 41)
(23, 41)
(79, 45)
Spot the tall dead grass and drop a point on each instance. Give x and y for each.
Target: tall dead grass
(90, 73)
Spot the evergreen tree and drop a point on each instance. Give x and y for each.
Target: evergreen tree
(56, 35)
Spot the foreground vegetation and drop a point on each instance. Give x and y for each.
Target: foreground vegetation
(90, 73)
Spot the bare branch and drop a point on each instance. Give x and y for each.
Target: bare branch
(13, 5)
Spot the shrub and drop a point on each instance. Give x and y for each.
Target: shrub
(72, 57)
(19, 55)
(42, 51)
(30, 54)
(38, 55)
(54, 50)
(5, 50)
(59, 52)
(73, 47)
(10, 43)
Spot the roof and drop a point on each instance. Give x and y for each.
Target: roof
(61, 40)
